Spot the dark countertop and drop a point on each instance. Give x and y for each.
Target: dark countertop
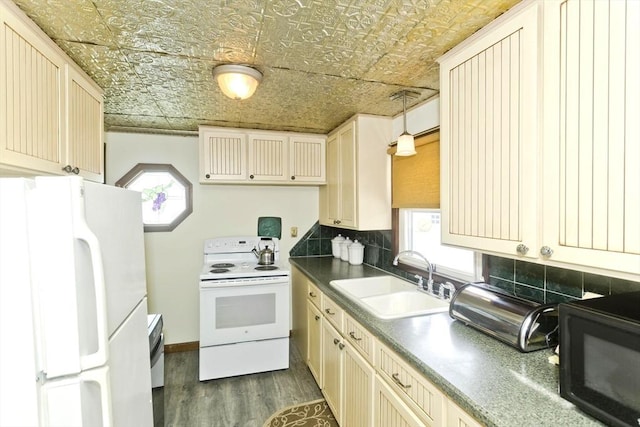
(491, 381)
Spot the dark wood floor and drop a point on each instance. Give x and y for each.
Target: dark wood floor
(245, 401)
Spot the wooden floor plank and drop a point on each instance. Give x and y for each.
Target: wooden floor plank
(244, 401)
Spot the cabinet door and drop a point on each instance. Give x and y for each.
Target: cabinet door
(456, 417)
(489, 136)
(348, 172)
(32, 88)
(592, 133)
(358, 378)
(314, 342)
(85, 146)
(330, 194)
(307, 160)
(268, 158)
(223, 156)
(390, 410)
(332, 369)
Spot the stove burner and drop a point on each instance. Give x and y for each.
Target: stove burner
(219, 270)
(266, 267)
(223, 265)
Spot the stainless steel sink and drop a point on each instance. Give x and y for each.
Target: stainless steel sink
(388, 297)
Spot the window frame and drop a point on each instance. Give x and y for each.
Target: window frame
(423, 271)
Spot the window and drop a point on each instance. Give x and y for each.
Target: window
(419, 230)
(166, 195)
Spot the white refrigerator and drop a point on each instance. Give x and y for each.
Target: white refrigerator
(74, 347)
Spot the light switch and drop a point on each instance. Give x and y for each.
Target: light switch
(294, 231)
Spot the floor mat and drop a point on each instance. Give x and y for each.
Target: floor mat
(309, 414)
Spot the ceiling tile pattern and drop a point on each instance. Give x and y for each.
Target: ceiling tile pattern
(322, 60)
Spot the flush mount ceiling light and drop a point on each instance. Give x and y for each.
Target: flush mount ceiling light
(406, 145)
(237, 81)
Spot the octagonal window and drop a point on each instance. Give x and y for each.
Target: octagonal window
(166, 194)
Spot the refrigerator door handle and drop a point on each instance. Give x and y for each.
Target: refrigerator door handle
(77, 400)
(82, 232)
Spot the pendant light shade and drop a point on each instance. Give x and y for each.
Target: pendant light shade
(406, 145)
(237, 81)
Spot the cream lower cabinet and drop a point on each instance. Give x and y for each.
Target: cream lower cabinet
(314, 346)
(364, 382)
(390, 409)
(51, 113)
(332, 346)
(358, 192)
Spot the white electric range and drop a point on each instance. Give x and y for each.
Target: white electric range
(244, 308)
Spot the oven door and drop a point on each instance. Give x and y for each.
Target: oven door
(232, 314)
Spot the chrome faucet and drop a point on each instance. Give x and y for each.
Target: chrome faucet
(419, 255)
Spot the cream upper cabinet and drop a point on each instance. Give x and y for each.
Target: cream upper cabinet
(223, 155)
(51, 113)
(307, 159)
(488, 136)
(268, 156)
(591, 179)
(358, 191)
(241, 156)
(85, 133)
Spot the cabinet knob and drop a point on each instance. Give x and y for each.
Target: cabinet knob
(336, 341)
(522, 249)
(328, 311)
(207, 176)
(251, 176)
(340, 346)
(67, 169)
(76, 170)
(336, 221)
(312, 295)
(293, 178)
(546, 251)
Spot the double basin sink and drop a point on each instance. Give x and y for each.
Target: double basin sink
(388, 297)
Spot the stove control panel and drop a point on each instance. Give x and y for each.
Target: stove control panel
(220, 245)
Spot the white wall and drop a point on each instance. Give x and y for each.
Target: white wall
(419, 118)
(174, 258)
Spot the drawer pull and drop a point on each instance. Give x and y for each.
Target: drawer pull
(328, 311)
(353, 335)
(312, 295)
(396, 378)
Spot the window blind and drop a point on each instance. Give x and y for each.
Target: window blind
(416, 179)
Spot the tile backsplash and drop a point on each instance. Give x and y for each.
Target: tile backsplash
(377, 246)
(546, 284)
(535, 282)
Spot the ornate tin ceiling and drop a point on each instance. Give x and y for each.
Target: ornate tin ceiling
(322, 60)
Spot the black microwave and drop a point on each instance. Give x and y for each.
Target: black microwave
(600, 357)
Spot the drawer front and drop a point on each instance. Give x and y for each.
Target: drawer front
(412, 386)
(314, 295)
(333, 313)
(359, 337)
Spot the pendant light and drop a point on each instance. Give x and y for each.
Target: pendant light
(406, 145)
(237, 81)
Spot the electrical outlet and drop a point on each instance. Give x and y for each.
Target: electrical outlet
(294, 231)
